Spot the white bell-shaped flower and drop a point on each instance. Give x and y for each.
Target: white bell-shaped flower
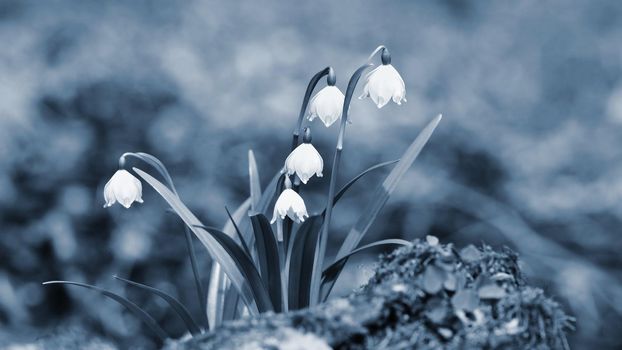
(384, 84)
(288, 204)
(124, 188)
(305, 161)
(327, 105)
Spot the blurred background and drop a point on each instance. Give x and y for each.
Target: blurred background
(526, 156)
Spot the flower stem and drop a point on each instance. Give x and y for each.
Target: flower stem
(381, 47)
(320, 252)
(312, 83)
(296, 134)
(157, 164)
(284, 276)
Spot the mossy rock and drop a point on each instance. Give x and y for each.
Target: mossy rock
(423, 296)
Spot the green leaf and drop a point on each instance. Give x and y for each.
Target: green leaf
(255, 185)
(246, 266)
(268, 256)
(178, 307)
(217, 252)
(345, 188)
(272, 190)
(331, 273)
(300, 262)
(219, 284)
(384, 190)
(159, 166)
(320, 254)
(156, 164)
(135, 309)
(237, 231)
(219, 287)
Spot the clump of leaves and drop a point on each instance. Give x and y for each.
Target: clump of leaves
(256, 270)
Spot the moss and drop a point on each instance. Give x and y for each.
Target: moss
(424, 296)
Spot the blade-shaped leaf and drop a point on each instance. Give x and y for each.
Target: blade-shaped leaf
(271, 191)
(246, 266)
(384, 190)
(268, 257)
(255, 186)
(239, 234)
(156, 164)
(331, 273)
(218, 253)
(135, 309)
(345, 188)
(219, 284)
(300, 262)
(178, 307)
(159, 166)
(301, 248)
(320, 252)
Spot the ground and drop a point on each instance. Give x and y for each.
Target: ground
(423, 296)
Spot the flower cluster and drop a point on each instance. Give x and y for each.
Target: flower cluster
(257, 261)
(382, 85)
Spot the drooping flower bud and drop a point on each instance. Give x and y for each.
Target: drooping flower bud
(288, 204)
(305, 161)
(327, 104)
(384, 83)
(124, 188)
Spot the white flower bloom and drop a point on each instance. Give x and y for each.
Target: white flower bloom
(124, 188)
(290, 204)
(383, 84)
(327, 104)
(304, 161)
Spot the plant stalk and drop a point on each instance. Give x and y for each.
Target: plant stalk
(320, 251)
(312, 83)
(284, 276)
(154, 162)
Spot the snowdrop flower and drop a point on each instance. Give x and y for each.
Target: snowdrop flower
(327, 104)
(384, 83)
(305, 160)
(288, 204)
(124, 188)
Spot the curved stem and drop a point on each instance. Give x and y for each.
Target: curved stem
(381, 47)
(159, 166)
(312, 83)
(320, 252)
(154, 162)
